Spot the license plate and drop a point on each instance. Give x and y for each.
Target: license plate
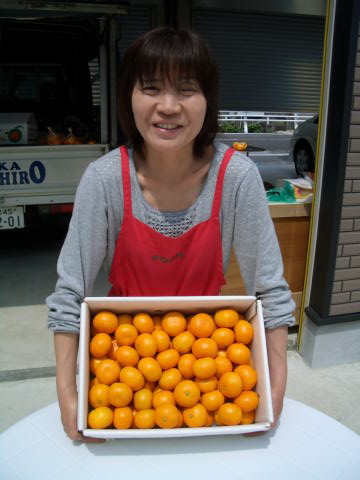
(11, 217)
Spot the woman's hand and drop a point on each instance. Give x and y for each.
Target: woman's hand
(277, 403)
(66, 348)
(276, 341)
(69, 408)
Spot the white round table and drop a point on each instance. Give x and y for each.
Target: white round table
(306, 445)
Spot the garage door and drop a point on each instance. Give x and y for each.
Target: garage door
(267, 63)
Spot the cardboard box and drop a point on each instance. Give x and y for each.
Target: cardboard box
(17, 129)
(159, 305)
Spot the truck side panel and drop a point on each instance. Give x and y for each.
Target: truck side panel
(43, 175)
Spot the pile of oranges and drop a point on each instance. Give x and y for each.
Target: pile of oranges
(170, 371)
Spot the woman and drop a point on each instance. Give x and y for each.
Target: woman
(163, 214)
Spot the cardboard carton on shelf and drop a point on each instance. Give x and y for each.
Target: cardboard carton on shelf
(17, 129)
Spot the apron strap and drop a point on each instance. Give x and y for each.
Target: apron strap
(220, 180)
(125, 173)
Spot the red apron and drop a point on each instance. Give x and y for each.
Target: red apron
(147, 263)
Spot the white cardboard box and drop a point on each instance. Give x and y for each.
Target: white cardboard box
(17, 129)
(158, 305)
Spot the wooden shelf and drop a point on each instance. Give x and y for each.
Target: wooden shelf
(289, 210)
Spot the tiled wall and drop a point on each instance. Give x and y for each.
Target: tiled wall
(345, 297)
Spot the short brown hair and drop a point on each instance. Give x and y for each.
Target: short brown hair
(173, 53)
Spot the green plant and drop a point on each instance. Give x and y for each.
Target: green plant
(255, 127)
(230, 127)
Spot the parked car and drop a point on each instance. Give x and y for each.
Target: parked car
(303, 145)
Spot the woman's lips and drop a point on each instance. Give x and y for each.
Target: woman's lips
(167, 126)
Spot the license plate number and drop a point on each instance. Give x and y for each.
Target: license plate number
(11, 217)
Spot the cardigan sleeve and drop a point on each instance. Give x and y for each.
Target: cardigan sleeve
(258, 253)
(82, 254)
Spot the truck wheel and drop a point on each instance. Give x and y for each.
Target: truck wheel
(303, 158)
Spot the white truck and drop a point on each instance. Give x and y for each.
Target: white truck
(57, 102)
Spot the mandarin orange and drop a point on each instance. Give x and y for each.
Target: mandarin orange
(248, 376)
(204, 367)
(132, 377)
(169, 379)
(145, 345)
(186, 393)
(108, 371)
(226, 317)
(244, 332)
(150, 368)
(204, 347)
(100, 417)
(230, 384)
(123, 417)
(167, 416)
(238, 353)
(100, 345)
(105, 322)
(143, 322)
(229, 414)
(99, 395)
(248, 400)
(173, 323)
(212, 400)
(201, 325)
(126, 334)
(145, 418)
(143, 399)
(196, 416)
(120, 394)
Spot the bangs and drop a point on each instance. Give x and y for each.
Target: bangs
(170, 60)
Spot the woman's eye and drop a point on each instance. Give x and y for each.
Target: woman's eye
(150, 89)
(188, 89)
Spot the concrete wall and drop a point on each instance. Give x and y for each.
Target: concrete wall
(345, 297)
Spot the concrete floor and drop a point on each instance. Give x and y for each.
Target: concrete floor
(27, 368)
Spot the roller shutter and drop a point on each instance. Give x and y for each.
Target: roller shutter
(132, 25)
(267, 63)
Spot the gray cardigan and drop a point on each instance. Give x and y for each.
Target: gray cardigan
(245, 220)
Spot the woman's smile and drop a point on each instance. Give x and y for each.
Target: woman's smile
(167, 131)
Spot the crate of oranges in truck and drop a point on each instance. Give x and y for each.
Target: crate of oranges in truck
(172, 367)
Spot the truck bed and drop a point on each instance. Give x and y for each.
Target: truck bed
(35, 175)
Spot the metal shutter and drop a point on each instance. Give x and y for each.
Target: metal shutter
(267, 63)
(132, 25)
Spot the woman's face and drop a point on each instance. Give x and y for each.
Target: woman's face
(168, 116)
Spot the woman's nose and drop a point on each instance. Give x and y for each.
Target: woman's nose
(168, 103)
